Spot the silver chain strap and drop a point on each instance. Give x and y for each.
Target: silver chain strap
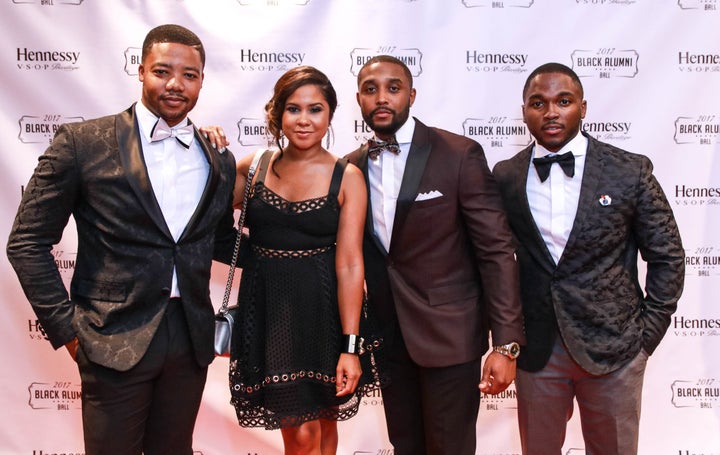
(241, 224)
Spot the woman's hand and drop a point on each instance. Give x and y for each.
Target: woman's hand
(216, 136)
(347, 374)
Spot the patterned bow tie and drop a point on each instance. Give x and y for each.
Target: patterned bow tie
(184, 134)
(566, 162)
(376, 147)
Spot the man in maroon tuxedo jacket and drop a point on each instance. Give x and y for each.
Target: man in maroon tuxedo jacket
(579, 226)
(150, 210)
(440, 269)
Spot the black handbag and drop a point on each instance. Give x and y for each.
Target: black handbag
(225, 317)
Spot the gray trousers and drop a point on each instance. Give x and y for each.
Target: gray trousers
(609, 405)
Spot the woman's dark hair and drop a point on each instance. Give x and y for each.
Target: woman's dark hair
(292, 80)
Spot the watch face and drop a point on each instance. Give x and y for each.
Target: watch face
(514, 349)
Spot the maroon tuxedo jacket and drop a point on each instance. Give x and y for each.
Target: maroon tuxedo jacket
(450, 273)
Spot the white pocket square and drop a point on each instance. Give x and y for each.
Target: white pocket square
(429, 195)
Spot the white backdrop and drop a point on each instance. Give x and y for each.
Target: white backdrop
(651, 70)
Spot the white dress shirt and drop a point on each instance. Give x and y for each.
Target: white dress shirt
(178, 176)
(385, 175)
(554, 202)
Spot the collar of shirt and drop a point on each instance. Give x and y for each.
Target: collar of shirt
(146, 120)
(405, 134)
(385, 175)
(553, 203)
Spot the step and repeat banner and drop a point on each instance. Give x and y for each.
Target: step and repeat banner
(651, 71)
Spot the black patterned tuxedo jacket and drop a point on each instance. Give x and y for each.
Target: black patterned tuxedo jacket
(593, 296)
(450, 273)
(94, 171)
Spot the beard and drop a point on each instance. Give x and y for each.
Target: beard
(398, 120)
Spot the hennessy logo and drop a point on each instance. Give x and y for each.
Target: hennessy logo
(686, 58)
(478, 61)
(692, 62)
(36, 331)
(29, 55)
(250, 56)
(496, 59)
(608, 131)
(252, 60)
(362, 132)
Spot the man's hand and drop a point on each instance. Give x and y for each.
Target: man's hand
(497, 374)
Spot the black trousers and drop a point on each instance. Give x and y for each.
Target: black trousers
(150, 408)
(430, 411)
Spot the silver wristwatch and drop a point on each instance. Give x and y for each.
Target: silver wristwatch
(511, 350)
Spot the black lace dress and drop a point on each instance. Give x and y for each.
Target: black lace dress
(287, 340)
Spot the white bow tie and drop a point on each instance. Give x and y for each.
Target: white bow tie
(184, 134)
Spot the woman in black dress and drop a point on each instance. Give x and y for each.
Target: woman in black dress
(295, 361)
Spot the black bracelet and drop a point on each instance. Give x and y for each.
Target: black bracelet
(352, 344)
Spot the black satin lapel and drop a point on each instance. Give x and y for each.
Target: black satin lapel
(369, 225)
(518, 208)
(414, 170)
(210, 186)
(541, 253)
(129, 149)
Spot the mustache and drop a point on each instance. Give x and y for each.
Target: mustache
(384, 109)
(173, 95)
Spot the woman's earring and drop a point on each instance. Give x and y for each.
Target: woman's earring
(329, 133)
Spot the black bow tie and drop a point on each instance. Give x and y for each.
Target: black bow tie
(376, 147)
(566, 162)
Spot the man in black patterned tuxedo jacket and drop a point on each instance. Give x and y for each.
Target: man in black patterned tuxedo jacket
(578, 226)
(152, 203)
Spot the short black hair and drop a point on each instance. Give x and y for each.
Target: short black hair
(387, 59)
(172, 33)
(553, 67)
